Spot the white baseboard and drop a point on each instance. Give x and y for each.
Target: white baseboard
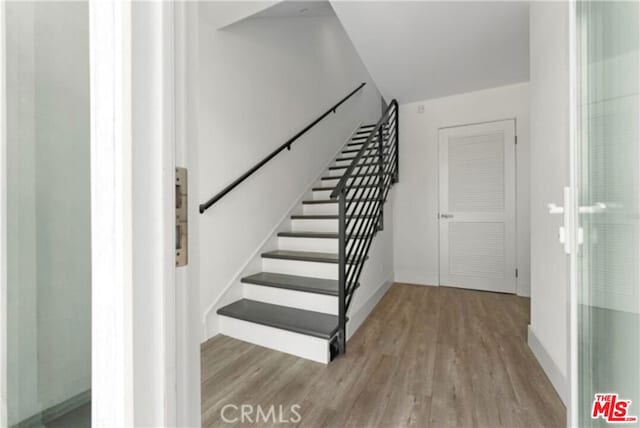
(553, 372)
(412, 276)
(357, 318)
(523, 288)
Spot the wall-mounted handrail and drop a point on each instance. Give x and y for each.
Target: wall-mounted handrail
(286, 145)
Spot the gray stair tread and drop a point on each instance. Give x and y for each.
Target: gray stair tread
(327, 235)
(377, 156)
(294, 282)
(338, 177)
(323, 235)
(335, 201)
(310, 323)
(365, 134)
(376, 164)
(358, 186)
(350, 151)
(320, 216)
(305, 256)
(309, 256)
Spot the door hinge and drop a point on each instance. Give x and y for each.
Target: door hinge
(181, 244)
(516, 140)
(516, 272)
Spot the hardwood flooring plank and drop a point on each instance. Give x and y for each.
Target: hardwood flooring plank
(425, 357)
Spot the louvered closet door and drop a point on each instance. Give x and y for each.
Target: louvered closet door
(477, 206)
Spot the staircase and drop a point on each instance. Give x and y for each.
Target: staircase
(298, 303)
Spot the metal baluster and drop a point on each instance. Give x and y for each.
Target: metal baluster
(396, 175)
(342, 266)
(381, 176)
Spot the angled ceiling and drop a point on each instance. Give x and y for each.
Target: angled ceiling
(221, 14)
(421, 50)
(297, 9)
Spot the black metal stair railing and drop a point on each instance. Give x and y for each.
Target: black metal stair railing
(362, 192)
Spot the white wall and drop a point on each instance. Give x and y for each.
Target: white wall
(416, 202)
(261, 80)
(549, 174)
(49, 208)
(22, 324)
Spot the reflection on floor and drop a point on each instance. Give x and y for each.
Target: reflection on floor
(425, 357)
(78, 418)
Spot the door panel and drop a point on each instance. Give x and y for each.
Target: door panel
(477, 206)
(608, 199)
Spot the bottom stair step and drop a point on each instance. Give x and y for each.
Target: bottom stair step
(310, 323)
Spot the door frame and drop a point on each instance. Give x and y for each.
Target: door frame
(572, 311)
(112, 371)
(132, 153)
(133, 197)
(3, 223)
(515, 174)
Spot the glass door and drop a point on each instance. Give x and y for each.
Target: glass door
(608, 199)
(48, 243)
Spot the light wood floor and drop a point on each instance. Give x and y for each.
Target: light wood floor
(425, 357)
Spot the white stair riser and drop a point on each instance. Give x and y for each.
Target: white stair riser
(300, 268)
(321, 245)
(353, 180)
(292, 298)
(318, 225)
(326, 194)
(301, 345)
(315, 225)
(320, 209)
(340, 172)
(348, 162)
(321, 194)
(332, 208)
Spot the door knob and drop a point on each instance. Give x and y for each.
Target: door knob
(567, 236)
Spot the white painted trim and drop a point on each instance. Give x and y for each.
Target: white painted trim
(550, 368)
(523, 288)
(418, 277)
(3, 223)
(301, 345)
(356, 319)
(278, 226)
(111, 207)
(187, 281)
(153, 211)
(572, 401)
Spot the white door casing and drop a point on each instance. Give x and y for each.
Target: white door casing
(477, 206)
(3, 229)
